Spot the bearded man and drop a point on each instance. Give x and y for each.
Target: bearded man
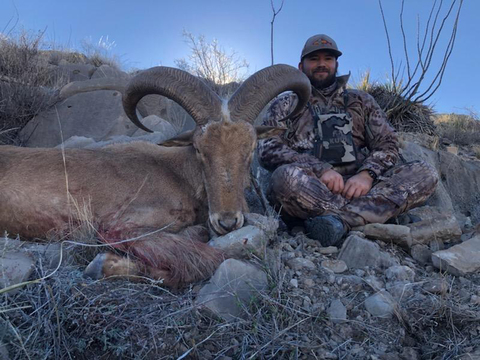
(335, 167)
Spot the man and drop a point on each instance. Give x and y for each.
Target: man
(335, 166)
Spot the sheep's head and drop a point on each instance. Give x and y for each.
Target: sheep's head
(225, 137)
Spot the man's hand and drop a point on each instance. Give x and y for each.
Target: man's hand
(357, 185)
(333, 180)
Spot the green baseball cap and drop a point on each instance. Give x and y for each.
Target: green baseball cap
(320, 42)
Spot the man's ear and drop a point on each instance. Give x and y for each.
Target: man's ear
(300, 66)
(264, 132)
(183, 139)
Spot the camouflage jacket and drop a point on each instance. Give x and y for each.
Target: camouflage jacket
(377, 151)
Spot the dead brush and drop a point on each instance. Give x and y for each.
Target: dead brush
(459, 128)
(27, 86)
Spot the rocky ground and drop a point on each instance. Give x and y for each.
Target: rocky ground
(370, 299)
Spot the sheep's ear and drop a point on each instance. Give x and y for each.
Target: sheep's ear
(183, 139)
(264, 132)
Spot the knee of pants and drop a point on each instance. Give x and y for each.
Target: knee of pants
(283, 179)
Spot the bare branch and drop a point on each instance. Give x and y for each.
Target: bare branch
(275, 13)
(388, 41)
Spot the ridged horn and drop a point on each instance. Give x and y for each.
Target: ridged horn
(200, 102)
(250, 98)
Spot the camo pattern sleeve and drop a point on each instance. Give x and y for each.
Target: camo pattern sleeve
(275, 151)
(382, 142)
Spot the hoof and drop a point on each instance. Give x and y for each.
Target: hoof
(94, 270)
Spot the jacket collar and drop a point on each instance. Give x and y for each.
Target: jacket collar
(337, 87)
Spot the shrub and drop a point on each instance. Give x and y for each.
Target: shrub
(459, 128)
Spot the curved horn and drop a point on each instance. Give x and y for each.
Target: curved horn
(187, 90)
(250, 98)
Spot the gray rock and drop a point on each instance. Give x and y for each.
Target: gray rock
(437, 286)
(74, 72)
(460, 259)
(15, 267)
(337, 266)
(94, 114)
(300, 263)
(421, 254)
(156, 124)
(400, 273)
(294, 283)
(242, 242)
(380, 304)
(439, 226)
(337, 312)
(389, 233)
(358, 253)
(231, 288)
(400, 290)
(78, 87)
(328, 250)
(107, 71)
(3, 352)
(441, 197)
(267, 223)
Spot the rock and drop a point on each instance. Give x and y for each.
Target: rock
(15, 267)
(461, 259)
(452, 149)
(337, 312)
(436, 245)
(380, 304)
(421, 254)
(93, 114)
(78, 87)
(300, 263)
(443, 227)
(374, 282)
(358, 253)
(397, 234)
(232, 286)
(437, 286)
(267, 223)
(3, 352)
(309, 283)
(107, 71)
(74, 72)
(156, 124)
(328, 250)
(400, 273)
(441, 196)
(337, 266)
(294, 283)
(400, 290)
(242, 242)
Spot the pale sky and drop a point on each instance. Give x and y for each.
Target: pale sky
(148, 33)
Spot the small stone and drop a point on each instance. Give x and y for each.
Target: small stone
(309, 283)
(380, 304)
(300, 263)
(337, 311)
(439, 287)
(337, 266)
(294, 283)
(436, 245)
(475, 300)
(400, 273)
(328, 250)
(421, 253)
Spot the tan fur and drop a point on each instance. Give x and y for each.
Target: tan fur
(133, 187)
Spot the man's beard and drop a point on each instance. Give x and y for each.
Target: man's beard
(322, 84)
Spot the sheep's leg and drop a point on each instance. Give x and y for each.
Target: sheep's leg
(178, 259)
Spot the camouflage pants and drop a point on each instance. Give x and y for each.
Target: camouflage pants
(302, 195)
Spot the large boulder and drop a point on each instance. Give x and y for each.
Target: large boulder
(95, 114)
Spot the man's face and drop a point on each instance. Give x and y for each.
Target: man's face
(320, 67)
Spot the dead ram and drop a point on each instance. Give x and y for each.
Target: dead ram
(133, 189)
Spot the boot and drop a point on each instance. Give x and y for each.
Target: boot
(329, 230)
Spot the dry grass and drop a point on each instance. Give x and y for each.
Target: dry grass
(405, 116)
(460, 129)
(28, 81)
